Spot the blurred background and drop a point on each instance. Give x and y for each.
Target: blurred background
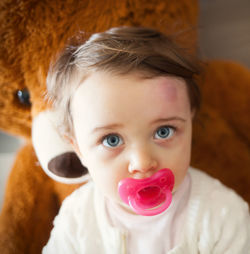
(224, 33)
(225, 30)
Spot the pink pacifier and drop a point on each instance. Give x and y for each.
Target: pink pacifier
(148, 196)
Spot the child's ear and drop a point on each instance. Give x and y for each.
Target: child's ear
(193, 113)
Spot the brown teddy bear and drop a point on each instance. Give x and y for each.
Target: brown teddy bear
(32, 33)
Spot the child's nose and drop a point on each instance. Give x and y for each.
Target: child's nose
(142, 162)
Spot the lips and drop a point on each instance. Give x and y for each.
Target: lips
(149, 196)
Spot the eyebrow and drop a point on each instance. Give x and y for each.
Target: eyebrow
(118, 125)
(168, 119)
(108, 127)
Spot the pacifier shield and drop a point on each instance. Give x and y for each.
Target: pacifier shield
(148, 196)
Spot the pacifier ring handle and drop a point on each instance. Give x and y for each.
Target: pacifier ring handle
(154, 211)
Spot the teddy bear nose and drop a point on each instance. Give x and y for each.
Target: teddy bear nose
(24, 97)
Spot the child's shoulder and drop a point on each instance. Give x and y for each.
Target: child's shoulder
(219, 214)
(213, 190)
(217, 202)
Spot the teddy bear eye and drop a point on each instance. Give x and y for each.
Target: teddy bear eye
(24, 96)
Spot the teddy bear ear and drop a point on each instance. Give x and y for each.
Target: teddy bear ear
(55, 155)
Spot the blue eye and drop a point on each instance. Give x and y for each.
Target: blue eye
(112, 140)
(164, 132)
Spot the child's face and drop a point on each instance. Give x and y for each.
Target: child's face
(126, 126)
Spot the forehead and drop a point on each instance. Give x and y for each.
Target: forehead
(125, 96)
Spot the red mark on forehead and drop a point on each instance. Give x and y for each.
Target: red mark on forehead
(167, 93)
(167, 89)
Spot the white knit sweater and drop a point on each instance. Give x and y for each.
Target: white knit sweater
(217, 222)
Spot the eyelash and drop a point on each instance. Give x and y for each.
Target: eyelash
(173, 128)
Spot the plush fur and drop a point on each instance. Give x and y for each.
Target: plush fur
(33, 32)
(221, 141)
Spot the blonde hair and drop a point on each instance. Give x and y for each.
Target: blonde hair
(121, 51)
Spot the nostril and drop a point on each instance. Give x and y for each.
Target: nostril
(24, 97)
(143, 169)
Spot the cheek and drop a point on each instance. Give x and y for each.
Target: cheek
(107, 184)
(182, 168)
(179, 159)
(106, 175)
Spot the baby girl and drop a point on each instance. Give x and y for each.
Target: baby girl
(126, 99)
